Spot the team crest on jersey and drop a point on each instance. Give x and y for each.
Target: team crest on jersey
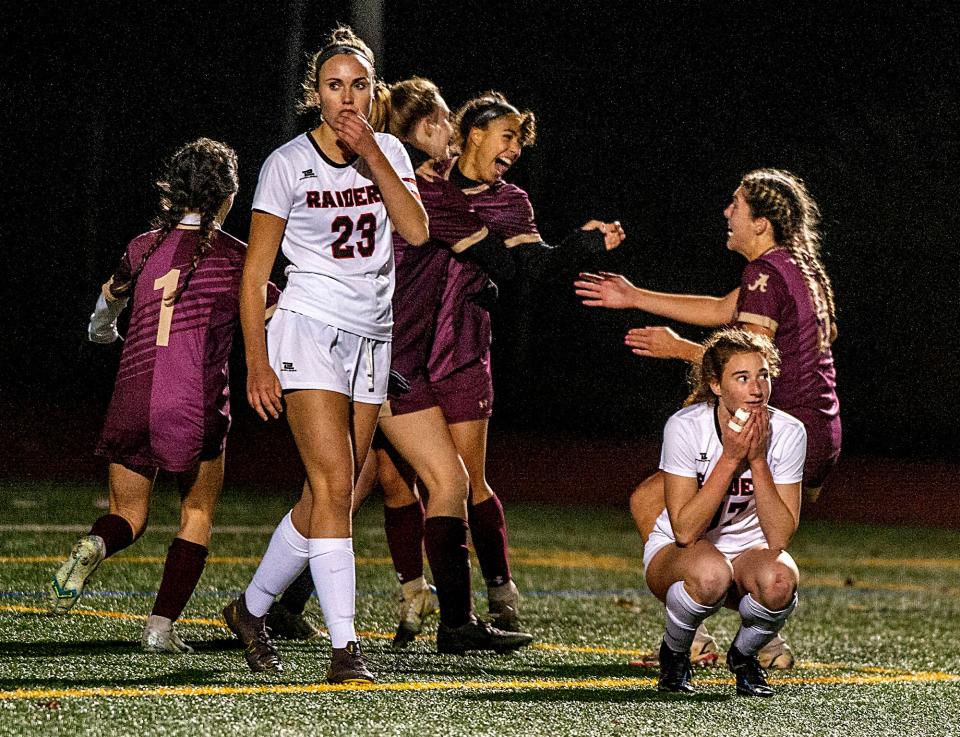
(307, 174)
(760, 283)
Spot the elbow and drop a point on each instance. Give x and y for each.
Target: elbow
(419, 233)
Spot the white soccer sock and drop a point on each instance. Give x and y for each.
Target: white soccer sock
(684, 615)
(286, 556)
(759, 625)
(334, 574)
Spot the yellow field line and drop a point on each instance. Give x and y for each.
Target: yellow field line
(160, 559)
(543, 559)
(535, 684)
(544, 646)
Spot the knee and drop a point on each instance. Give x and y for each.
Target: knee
(647, 498)
(448, 482)
(710, 580)
(776, 586)
(197, 518)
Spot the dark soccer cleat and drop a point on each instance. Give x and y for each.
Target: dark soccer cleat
(261, 655)
(751, 678)
(478, 635)
(348, 666)
(285, 625)
(675, 671)
(504, 607)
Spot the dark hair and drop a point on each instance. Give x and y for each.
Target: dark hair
(717, 351)
(490, 105)
(340, 40)
(782, 198)
(410, 101)
(199, 177)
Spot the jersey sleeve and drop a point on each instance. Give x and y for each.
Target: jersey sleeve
(400, 161)
(274, 193)
(763, 293)
(677, 455)
(789, 454)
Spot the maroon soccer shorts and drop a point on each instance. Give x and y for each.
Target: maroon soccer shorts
(467, 394)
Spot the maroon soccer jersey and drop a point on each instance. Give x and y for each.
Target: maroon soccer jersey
(774, 294)
(462, 335)
(171, 402)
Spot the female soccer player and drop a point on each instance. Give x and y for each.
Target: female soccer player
(331, 198)
(170, 408)
(443, 415)
(492, 134)
(785, 294)
(732, 469)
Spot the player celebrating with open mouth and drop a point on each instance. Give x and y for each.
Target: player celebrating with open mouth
(732, 469)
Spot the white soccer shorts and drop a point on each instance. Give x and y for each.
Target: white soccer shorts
(310, 354)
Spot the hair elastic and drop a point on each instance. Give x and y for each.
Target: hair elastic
(336, 51)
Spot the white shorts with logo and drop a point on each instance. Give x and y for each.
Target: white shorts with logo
(730, 544)
(310, 354)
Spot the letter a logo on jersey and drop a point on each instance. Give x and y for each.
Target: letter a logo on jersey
(760, 283)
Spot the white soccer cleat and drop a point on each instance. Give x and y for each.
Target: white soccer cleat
(704, 651)
(504, 606)
(159, 636)
(418, 600)
(68, 582)
(777, 655)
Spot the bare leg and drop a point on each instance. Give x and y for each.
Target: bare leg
(646, 504)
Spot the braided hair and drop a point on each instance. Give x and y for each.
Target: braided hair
(783, 199)
(490, 105)
(199, 177)
(717, 351)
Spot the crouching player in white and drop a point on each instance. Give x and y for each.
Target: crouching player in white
(733, 469)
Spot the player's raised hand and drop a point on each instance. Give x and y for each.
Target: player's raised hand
(355, 133)
(737, 444)
(760, 440)
(613, 234)
(605, 290)
(654, 342)
(264, 391)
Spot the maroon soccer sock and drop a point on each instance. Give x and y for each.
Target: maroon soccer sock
(116, 532)
(404, 527)
(488, 528)
(181, 573)
(295, 598)
(446, 543)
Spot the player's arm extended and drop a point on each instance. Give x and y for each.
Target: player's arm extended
(263, 387)
(617, 292)
(690, 509)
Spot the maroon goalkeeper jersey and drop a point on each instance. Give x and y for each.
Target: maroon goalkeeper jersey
(171, 401)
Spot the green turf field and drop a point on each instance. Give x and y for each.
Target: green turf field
(879, 615)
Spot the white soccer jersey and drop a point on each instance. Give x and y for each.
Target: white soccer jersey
(692, 448)
(338, 234)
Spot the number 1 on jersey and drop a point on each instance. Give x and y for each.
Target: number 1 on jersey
(168, 283)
